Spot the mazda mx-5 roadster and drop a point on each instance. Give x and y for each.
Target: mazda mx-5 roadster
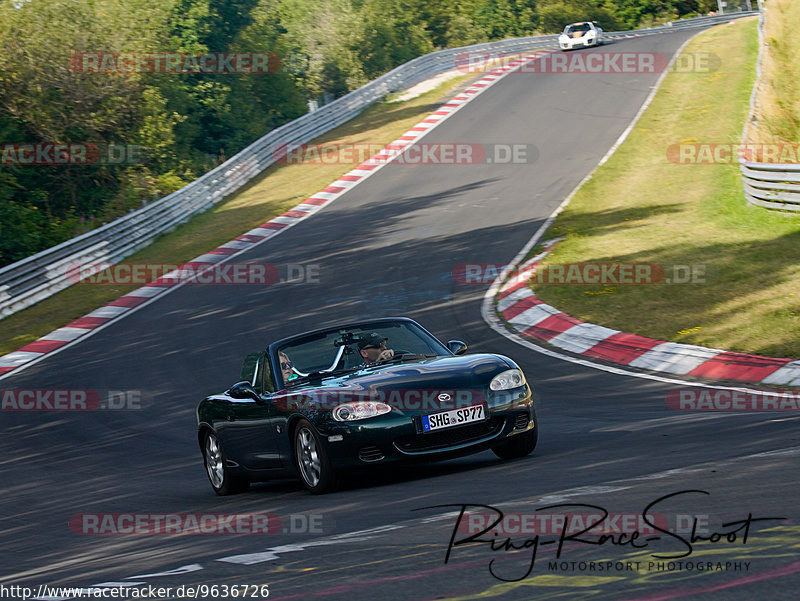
(361, 395)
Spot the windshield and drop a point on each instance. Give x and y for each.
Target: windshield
(577, 28)
(339, 350)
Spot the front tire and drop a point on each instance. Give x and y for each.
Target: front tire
(312, 461)
(219, 476)
(518, 446)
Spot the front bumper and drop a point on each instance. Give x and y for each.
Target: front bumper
(394, 438)
(577, 43)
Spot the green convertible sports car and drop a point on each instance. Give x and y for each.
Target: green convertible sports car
(361, 394)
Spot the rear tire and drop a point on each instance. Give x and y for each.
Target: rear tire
(219, 476)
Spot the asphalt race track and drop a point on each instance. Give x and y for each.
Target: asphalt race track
(388, 247)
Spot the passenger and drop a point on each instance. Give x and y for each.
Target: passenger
(286, 368)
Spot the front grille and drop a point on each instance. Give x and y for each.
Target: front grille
(449, 437)
(521, 421)
(370, 454)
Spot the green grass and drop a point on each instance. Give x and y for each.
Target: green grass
(640, 207)
(779, 94)
(279, 188)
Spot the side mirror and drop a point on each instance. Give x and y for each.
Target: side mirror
(244, 390)
(457, 347)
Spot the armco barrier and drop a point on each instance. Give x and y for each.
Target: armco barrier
(771, 185)
(37, 277)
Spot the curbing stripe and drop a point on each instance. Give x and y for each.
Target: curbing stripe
(518, 308)
(108, 311)
(506, 291)
(674, 358)
(518, 304)
(739, 366)
(17, 358)
(294, 214)
(43, 346)
(65, 333)
(88, 323)
(237, 244)
(128, 301)
(622, 348)
(513, 298)
(582, 337)
(284, 220)
(306, 208)
(788, 375)
(275, 224)
(325, 195)
(249, 237)
(534, 315)
(554, 325)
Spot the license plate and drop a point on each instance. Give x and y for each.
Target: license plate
(454, 417)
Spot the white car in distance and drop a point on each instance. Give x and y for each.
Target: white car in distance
(583, 34)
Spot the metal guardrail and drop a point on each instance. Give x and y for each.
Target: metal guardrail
(39, 276)
(771, 185)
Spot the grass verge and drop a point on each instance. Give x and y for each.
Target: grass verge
(642, 208)
(778, 97)
(278, 189)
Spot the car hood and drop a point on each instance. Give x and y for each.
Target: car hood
(466, 373)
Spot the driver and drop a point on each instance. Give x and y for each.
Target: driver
(372, 348)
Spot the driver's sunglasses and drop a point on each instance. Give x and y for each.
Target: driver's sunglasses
(286, 364)
(382, 346)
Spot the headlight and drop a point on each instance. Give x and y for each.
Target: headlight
(507, 380)
(348, 412)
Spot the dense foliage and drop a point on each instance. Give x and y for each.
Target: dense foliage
(155, 132)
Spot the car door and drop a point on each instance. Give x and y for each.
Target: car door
(247, 432)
